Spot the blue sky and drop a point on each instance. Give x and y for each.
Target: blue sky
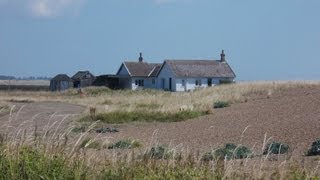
(263, 39)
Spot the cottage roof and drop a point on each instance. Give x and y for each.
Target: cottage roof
(61, 77)
(142, 69)
(200, 68)
(82, 75)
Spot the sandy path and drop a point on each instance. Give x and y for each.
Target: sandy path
(40, 115)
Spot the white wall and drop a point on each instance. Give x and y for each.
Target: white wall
(123, 71)
(190, 83)
(165, 74)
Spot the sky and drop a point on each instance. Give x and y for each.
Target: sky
(262, 39)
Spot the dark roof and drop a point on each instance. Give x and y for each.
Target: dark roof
(141, 69)
(155, 71)
(82, 75)
(61, 77)
(200, 68)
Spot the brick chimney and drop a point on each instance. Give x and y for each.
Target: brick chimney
(223, 56)
(140, 58)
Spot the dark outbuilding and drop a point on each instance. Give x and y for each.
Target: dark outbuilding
(61, 82)
(83, 79)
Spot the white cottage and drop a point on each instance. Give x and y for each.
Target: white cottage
(134, 75)
(175, 75)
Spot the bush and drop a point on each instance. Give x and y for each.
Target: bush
(125, 144)
(107, 130)
(315, 148)
(230, 151)
(276, 148)
(125, 117)
(159, 152)
(88, 143)
(221, 104)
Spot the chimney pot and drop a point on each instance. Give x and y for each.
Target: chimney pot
(140, 58)
(223, 56)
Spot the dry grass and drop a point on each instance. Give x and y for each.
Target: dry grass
(105, 100)
(37, 154)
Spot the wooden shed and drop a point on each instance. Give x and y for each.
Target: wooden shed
(61, 82)
(83, 79)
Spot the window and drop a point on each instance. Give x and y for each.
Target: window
(153, 81)
(139, 82)
(198, 82)
(183, 82)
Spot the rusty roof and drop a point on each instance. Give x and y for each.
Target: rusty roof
(200, 68)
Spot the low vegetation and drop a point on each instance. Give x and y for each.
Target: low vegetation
(90, 143)
(229, 151)
(159, 152)
(276, 148)
(221, 104)
(119, 117)
(125, 144)
(315, 148)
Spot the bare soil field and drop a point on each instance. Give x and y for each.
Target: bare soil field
(291, 116)
(39, 115)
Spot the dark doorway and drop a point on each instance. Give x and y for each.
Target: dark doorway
(209, 82)
(170, 84)
(163, 83)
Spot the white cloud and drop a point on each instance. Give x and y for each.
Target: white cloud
(44, 8)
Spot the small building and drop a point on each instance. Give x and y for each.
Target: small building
(83, 79)
(61, 82)
(175, 75)
(138, 74)
(110, 81)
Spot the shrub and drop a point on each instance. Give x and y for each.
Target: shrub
(88, 143)
(107, 130)
(79, 129)
(159, 152)
(230, 151)
(315, 148)
(276, 148)
(221, 104)
(125, 144)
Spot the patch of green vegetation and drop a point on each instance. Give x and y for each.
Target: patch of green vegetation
(315, 148)
(148, 106)
(125, 144)
(106, 130)
(90, 144)
(107, 102)
(79, 129)
(159, 152)
(119, 117)
(28, 163)
(229, 151)
(97, 91)
(221, 104)
(276, 148)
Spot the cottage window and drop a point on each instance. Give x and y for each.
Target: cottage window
(140, 82)
(183, 82)
(153, 81)
(198, 82)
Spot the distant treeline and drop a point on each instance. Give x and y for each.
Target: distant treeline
(3, 77)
